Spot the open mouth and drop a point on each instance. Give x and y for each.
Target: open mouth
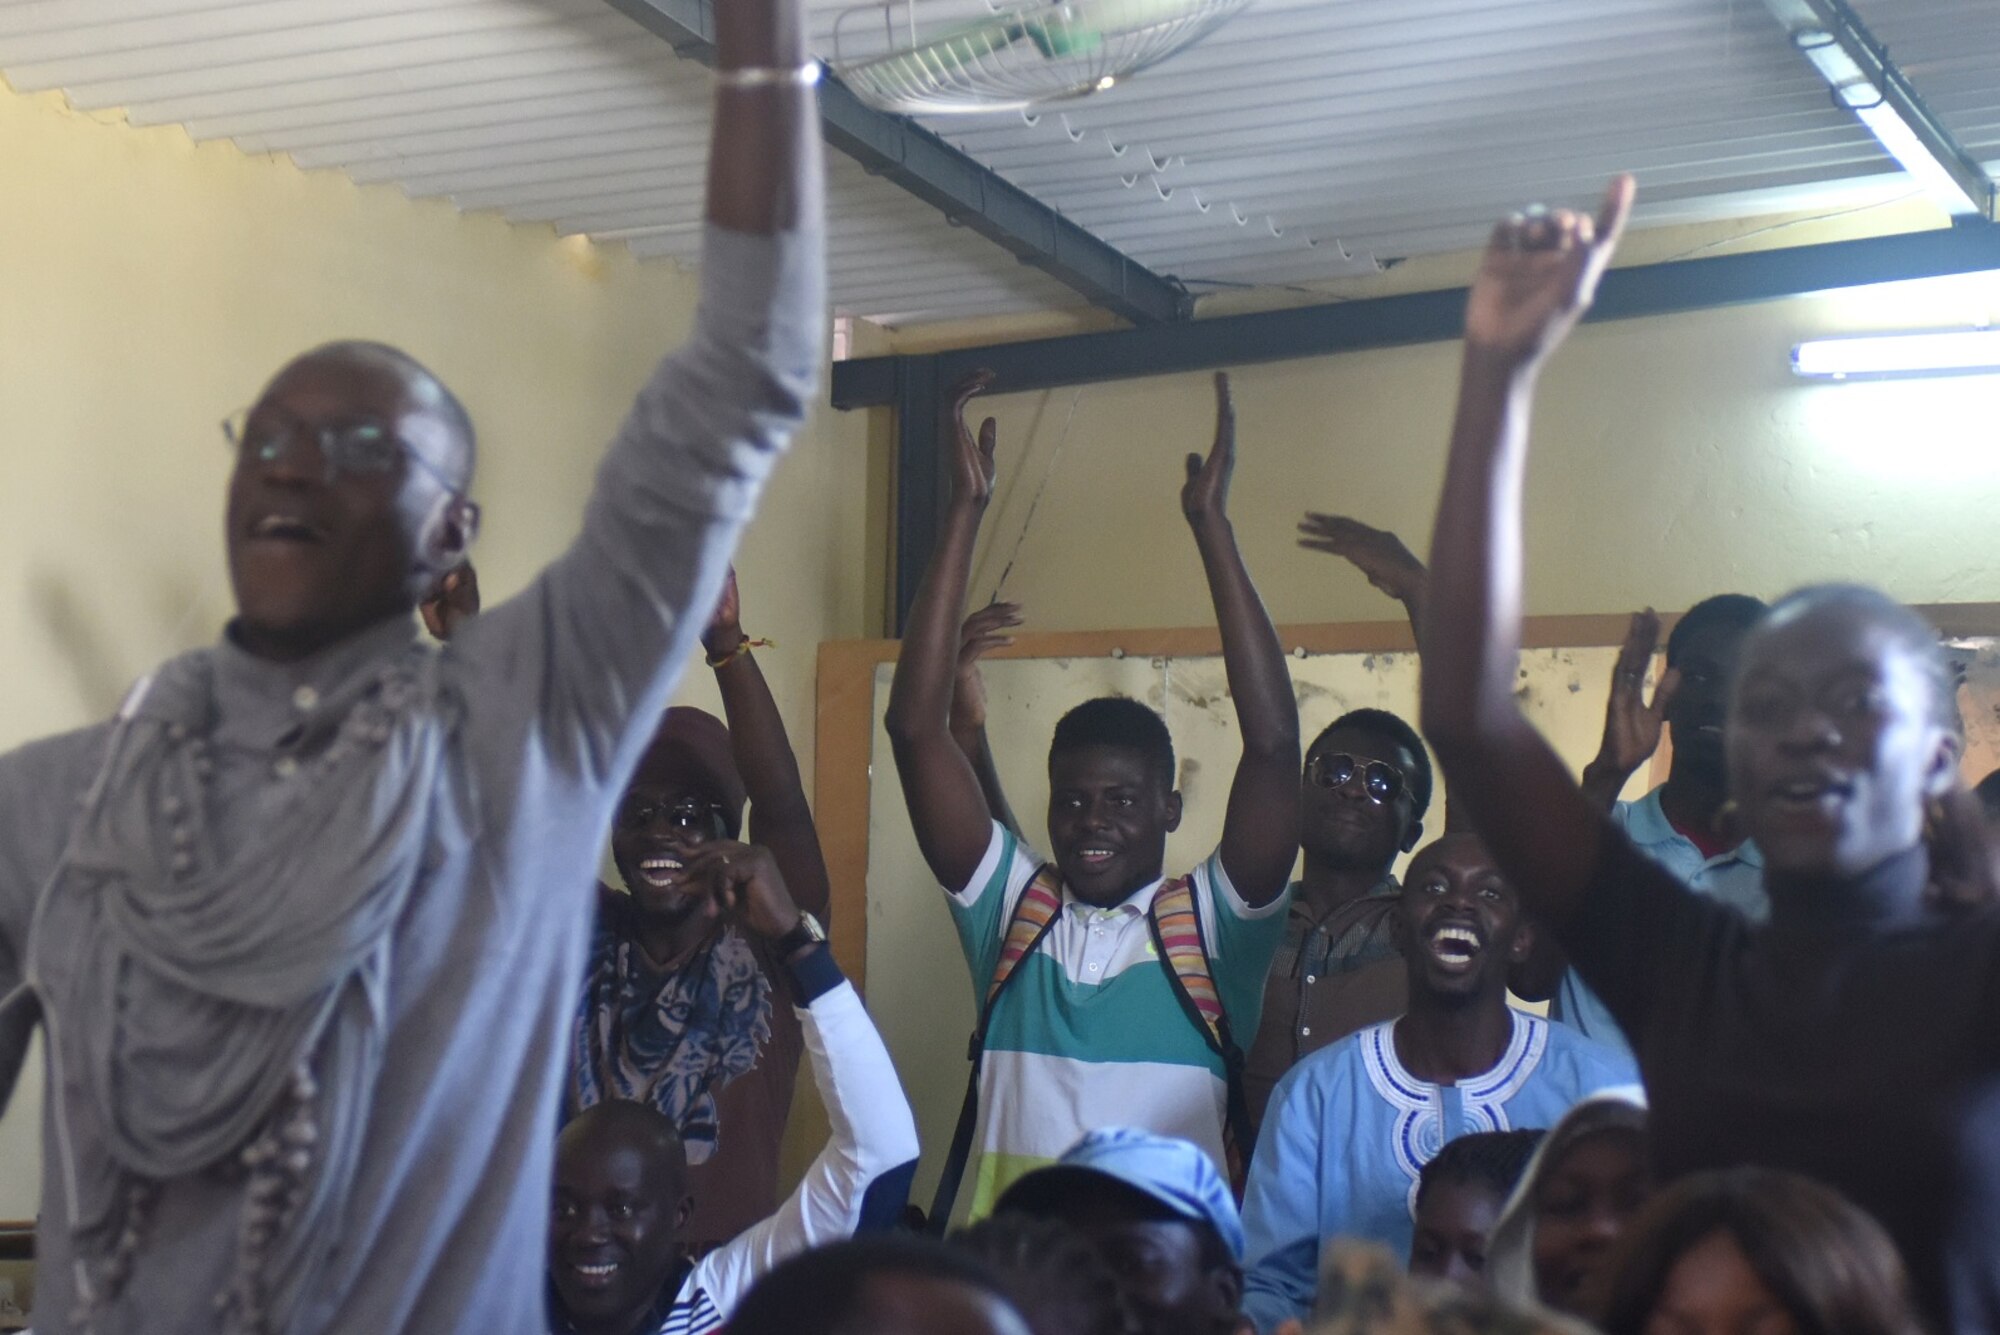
(662, 872)
(284, 528)
(593, 1274)
(1810, 795)
(1095, 857)
(1455, 946)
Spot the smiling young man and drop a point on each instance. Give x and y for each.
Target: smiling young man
(1092, 1028)
(677, 1008)
(303, 923)
(1349, 1130)
(619, 1259)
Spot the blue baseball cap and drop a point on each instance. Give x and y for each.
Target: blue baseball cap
(1176, 1173)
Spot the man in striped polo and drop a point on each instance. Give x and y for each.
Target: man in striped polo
(1096, 1026)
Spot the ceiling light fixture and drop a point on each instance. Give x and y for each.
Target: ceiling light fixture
(1867, 83)
(1956, 352)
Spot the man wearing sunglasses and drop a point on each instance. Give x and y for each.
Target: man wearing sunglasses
(302, 923)
(1362, 799)
(681, 1009)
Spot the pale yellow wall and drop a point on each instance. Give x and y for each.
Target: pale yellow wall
(1674, 457)
(147, 288)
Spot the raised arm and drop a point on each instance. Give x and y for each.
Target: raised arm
(780, 817)
(1535, 281)
(947, 808)
(576, 669)
(862, 1177)
(1631, 725)
(1394, 569)
(1260, 835)
(983, 630)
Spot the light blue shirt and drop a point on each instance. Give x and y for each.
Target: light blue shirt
(1735, 878)
(1349, 1130)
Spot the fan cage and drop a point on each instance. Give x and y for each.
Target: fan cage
(1026, 56)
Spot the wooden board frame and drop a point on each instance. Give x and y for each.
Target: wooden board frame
(844, 727)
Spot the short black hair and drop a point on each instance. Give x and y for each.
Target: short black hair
(1491, 1159)
(1392, 728)
(1051, 1270)
(1117, 720)
(822, 1292)
(1728, 611)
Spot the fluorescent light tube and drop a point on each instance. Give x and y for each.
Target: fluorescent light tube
(1961, 352)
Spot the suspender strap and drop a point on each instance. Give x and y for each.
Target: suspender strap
(1176, 925)
(1034, 914)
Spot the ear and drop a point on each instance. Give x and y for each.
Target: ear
(1399, 928)
(1225, 1287)
(1173, 812)
(1410, 839)
(1942, 776)
(1524, 942)
(447, 536)
(682, 1213)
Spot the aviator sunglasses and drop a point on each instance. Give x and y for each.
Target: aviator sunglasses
(1382, 780)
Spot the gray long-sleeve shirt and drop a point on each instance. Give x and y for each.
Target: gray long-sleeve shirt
(446, 1226)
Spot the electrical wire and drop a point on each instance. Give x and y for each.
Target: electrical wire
(1035, 502)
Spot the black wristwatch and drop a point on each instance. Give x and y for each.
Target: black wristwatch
(807, 934)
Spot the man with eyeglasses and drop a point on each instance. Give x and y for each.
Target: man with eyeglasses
(302, 924)
(678, 1002)
(1362, 798)
(1349, 1130)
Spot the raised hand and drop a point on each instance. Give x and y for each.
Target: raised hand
(1631, 725)
(1375, 552)
(984, 630)
(1964, 871)
(1205, 495)
(1539, 275)
(725, 628)
(972, 458)
(745, 886)
(452, 603)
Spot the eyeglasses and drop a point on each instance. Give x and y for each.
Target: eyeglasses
(1382, 780)
(689, 813)
(359, 448)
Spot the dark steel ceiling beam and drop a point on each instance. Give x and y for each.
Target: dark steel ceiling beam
(968, 193)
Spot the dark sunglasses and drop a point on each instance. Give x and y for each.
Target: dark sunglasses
(686, 814)
(1382, 780)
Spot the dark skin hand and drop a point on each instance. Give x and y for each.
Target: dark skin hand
(983, 631)
(1632, 726)
(1391, 567)
(781, 818)
(744, 886)
(1535, 282)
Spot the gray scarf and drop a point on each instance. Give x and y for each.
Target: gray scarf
(226, 1012)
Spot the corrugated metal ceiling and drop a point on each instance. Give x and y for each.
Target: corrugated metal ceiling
(1306, 140)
